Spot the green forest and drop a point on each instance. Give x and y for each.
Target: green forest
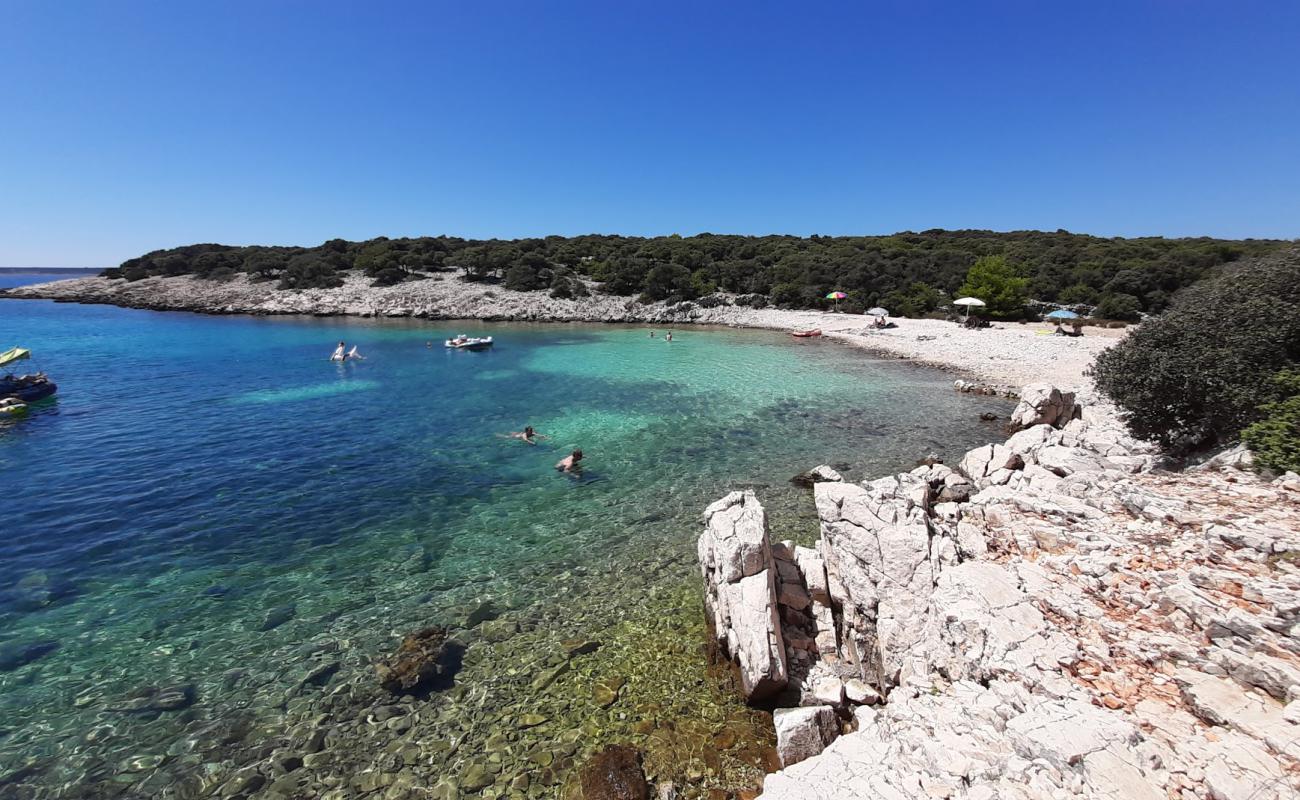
(909, 273)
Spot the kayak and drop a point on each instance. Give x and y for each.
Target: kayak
(806, 334)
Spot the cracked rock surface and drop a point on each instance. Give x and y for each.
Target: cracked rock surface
(1057, 617)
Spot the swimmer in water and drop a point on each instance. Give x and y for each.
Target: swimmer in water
(570, 462)
(527, 435)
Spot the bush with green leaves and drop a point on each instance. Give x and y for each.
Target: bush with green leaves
(1275, 439)
(1118, 306)
(1198, 374)
(1000, 285)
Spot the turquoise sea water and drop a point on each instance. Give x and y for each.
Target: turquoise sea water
(210, 503)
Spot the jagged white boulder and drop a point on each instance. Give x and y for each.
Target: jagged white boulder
(877, 550)
(802, 733)
(990, 463)
(740, 596)
(1043, 404)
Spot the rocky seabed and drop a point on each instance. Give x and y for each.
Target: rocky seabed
(1054, 617)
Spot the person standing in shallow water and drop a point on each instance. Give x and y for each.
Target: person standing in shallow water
(668, 337)
(570, 462)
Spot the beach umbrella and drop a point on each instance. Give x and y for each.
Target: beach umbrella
(877, 312)
(968, 302)
(837, 297)
(1062, 313)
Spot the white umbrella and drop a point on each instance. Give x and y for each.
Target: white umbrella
(877, 312)
(968, 302)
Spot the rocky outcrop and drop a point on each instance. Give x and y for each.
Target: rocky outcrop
(1043, 404)
(820, 474)
(877, 545)
(1054, 619)
(741, 596)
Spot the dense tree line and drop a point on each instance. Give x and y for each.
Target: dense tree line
(909, 273)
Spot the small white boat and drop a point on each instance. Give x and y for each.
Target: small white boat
(463, 342)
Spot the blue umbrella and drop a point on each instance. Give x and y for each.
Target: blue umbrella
(1062, 313)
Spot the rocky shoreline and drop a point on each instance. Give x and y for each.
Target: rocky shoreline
(1053, 617)
(997, 360)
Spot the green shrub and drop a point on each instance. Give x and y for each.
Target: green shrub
(1199, 373)
(787, 295)
(665, 281)
(389, 276)
(1275, 439)
(1000, 285)
(1118, 306)
(562, 287)
(526, 277)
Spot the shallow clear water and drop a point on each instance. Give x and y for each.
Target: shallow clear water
(209, 501)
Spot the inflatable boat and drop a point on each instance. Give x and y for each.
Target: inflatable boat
(469, 343)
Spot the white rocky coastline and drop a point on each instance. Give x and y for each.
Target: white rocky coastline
(1002, 358)
(1054, 618)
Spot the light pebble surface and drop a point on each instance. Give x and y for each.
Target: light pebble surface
(1005, 356)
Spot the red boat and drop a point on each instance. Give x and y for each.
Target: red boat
(806, 334)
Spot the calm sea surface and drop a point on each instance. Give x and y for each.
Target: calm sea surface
(210, 504)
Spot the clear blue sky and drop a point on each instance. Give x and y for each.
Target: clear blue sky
(130, 126)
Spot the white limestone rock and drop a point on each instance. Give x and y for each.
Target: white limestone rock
(802, 733)
(734, 544)
(1043, 404)
(1220, 701)
(740, 596)
(1065, 461)
(984, 462)
(982, 625)
(877, 549)
(860, 692)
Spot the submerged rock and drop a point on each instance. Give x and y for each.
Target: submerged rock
(38, 590)
(153, 700)
(278, 616)
(614, 774)
(414, 663)
(17, 654)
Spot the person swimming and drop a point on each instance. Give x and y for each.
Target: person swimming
(340, 352)
(528, 435)
(354, 354)
(570, 462)
(668, 337)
